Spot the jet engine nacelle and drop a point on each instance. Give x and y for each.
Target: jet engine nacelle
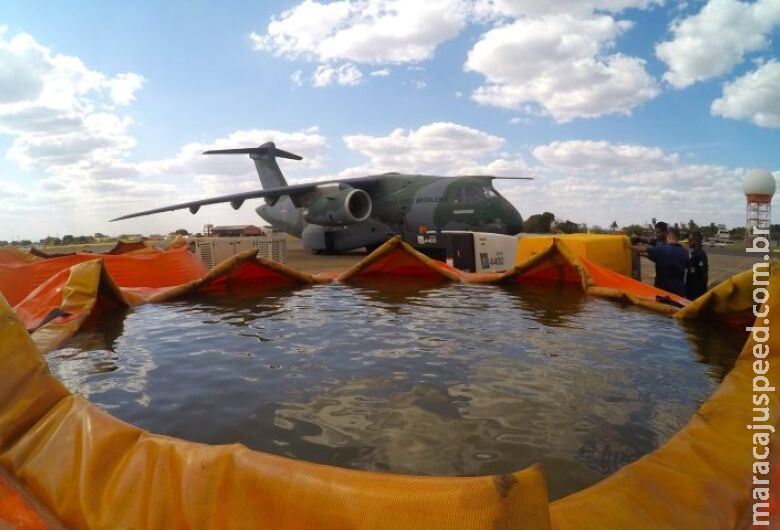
(338, 208)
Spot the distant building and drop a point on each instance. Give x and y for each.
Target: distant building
(234, 231)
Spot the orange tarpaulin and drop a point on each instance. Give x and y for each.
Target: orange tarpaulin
(158, 269)
(94, 471)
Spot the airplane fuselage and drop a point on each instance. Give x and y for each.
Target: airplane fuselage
(401, 204)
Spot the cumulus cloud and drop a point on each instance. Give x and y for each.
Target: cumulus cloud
(384, 72)
(365, 31)
(561, 63)
(519, 8)
(60, 113)
(755, 96)
(716, 39)
(598, 182)
(346, 74)
(191, 162)
(601, 156)
(73, 147)
(441, 147)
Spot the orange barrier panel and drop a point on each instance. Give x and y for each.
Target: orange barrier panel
(68, 290)
(558, 263)
(159, 269)
(396, 258)
(10, 256)
(123, 247)
(15, 511)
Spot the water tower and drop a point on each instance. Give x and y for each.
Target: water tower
(759, 186)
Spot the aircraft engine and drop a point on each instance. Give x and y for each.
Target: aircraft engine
(342, 207)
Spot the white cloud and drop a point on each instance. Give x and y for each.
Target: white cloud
(384, 72)
(601, 156)
(717, 38)
(296, 78)
(346, 74)
(365, 31)
(60, 114)
(755, 96)
(441, 147)
(598, 182)
(73, 150)
(519, 8)
(190, 161)
(559, 62)
(503, 167)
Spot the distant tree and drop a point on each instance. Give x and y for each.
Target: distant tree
(98, 235)
(738, 233)
(692, 226)
(709, 231)
(613, 227)
(25, 243)
(539, 223)
(654, 221)
(182, 232)
(774, 232)
(633, 230)
(67, 239)
(596, 229)
(3, 243)
(568, 227)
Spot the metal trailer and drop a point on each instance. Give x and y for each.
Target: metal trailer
(213, 250)
(467, 251)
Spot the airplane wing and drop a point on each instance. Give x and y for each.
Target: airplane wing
(295, 191)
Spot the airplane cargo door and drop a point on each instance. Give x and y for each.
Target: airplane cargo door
(462, 248)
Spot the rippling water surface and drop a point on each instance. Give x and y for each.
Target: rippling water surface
(453, 380)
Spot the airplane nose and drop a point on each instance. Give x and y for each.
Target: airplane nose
(512, 219)
(514, 224)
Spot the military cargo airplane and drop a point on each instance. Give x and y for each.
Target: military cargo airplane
(345, 214)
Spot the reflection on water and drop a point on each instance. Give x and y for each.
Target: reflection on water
(434, 379)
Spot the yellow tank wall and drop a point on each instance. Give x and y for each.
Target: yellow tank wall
(610, 251)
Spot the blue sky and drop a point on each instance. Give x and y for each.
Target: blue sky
(620, 109)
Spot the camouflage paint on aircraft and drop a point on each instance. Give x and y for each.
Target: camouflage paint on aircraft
(342, 215)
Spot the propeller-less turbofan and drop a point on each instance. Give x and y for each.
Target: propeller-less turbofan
(345, 214)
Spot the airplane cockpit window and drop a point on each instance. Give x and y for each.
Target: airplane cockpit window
(472, 194)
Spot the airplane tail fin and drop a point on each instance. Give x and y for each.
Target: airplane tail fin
(265, 161)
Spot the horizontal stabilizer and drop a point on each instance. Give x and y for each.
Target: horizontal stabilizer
(496, 177)
(267, 149)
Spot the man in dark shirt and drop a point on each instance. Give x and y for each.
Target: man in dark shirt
(661, 233)
(698, 268)
(671, 262)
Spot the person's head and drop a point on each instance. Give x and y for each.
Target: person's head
(673, 236)
(661, 230)
(695, 241)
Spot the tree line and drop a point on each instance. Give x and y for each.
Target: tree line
(546, 223)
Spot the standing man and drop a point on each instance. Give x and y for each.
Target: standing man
(671, 262)
(661, 234)
(696, 278)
